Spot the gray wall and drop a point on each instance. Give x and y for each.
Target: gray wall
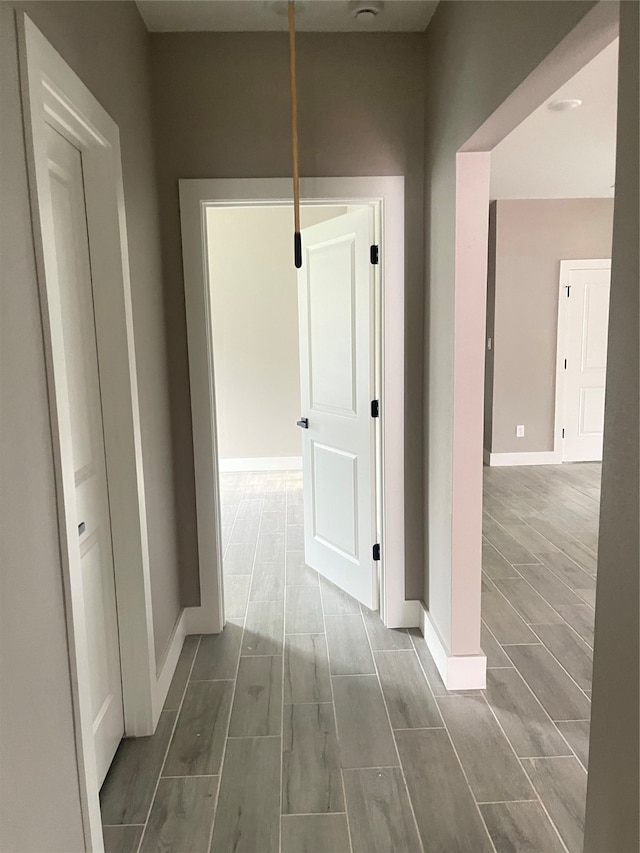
(530, 239)
(477, 55)
(107, 45)
(613, 793)
(222, 111)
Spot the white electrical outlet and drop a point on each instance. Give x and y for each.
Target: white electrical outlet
(520, 431)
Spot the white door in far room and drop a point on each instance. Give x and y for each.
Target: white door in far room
(97, 579)
(336, 303)
(585, 314)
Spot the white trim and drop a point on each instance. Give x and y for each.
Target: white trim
(168, 665)
(534, 457)
(384, 192)
(53, 95)
(262, 463)
(458, 672)
(409, 616)
(565, 268)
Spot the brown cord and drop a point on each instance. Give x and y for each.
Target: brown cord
(294, 115)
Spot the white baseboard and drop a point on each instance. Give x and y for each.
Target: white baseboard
(539, 457)
(407, 615)
(261, 463)
(458, 672)
(201, 620)
(168, 667)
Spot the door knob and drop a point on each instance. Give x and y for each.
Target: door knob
(303, 423)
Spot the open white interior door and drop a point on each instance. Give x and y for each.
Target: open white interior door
(336, 302)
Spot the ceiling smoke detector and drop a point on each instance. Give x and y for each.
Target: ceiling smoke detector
(367, 10)
(564, 105)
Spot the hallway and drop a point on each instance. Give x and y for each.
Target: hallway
(308, 727)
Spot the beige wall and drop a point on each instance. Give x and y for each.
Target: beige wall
(107, 45)
(255, 328)
(531, 237)
(222, 111)
(613, 793)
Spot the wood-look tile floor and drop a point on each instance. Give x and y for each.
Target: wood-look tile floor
(308, 727)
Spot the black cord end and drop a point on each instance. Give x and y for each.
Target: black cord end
(297, 249)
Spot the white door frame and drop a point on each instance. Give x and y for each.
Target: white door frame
(53, 94)
(384, 193)
(563, 307)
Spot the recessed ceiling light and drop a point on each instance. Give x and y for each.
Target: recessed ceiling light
(366, 10)
(565, 104)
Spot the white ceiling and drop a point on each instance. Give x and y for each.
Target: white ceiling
(271, 15)
(564, 154)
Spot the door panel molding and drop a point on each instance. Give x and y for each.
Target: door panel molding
(385, 195)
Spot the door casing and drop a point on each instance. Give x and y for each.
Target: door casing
(385, 196)
(52, 94)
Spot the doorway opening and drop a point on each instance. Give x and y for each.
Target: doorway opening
(296, 360)
(335, 317)
(536, 520)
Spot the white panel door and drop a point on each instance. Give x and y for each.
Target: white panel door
(587, 320)
(85, 410)
(336, 298)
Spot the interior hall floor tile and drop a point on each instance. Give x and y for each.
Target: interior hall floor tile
(257, 703)
(199, 738)
(521, 828)
(311, 777)
(315, 833)
(122, 839)
(382, 757)
(303, 614)
(248, 814)
(379, 811)
(363, 726)
(382, 638)
(349, 649)
(128, 790)
(182, 815)
(577, 734)
(491, 766)
(562, 786)
(409, 699)
(526, 724)
(217, 656)
(306, 669)
(447, 815)
(554, 688)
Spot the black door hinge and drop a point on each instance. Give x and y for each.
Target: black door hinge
(375, 254)
(376, 552)
(563, 432)
(568, 289)
(565, 364)
(375, 408)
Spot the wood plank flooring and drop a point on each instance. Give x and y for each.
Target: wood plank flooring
(309, 726)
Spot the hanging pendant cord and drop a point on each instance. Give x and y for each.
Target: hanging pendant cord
(297, 239)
